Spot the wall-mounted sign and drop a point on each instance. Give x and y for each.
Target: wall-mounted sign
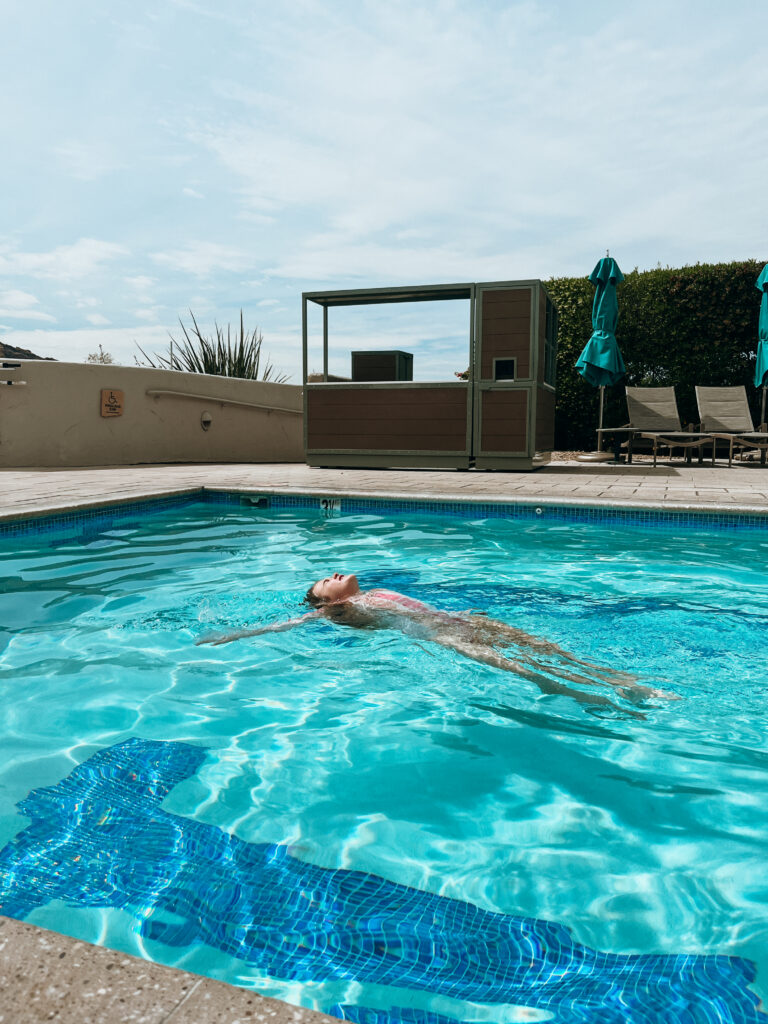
(112, 402)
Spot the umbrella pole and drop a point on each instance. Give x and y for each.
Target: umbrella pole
(600, 418)
(762, 411)
(599, 455)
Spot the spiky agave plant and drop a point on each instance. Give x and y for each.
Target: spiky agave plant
(221, 355)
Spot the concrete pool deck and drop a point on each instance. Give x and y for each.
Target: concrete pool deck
(46, 976)
(701, 487)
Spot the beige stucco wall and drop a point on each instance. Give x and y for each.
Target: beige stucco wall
(54, 419)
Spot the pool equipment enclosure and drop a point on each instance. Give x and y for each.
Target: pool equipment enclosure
(501, 417)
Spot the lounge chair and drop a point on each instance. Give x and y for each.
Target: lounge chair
(653, 415)
(724, 412)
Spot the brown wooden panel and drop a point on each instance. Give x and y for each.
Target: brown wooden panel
(504, 420)
(512, 441)
(387, 400)
(387, 419)
(502, 310)
(387, 441)
(401, 427)
(500, 419)
(504, 294)
(383, 443)
(513, 334)
(506, 330)
(361, 406)
(384, 416)
(545, 420)
(494, 298)
(491, 317)
(507, 325)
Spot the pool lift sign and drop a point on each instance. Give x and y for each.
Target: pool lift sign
(112, 402)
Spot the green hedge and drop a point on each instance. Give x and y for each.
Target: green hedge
(687, 326)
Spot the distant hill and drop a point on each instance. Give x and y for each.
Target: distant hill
(11, 352)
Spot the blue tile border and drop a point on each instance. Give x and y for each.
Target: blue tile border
(95, 517)
(533, 511)
(100, 517)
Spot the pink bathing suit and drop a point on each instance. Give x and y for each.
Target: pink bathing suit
(390, 597)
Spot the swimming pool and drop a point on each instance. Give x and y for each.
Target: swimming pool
(198, 799)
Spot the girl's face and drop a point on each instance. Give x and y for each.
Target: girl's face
(336, 588)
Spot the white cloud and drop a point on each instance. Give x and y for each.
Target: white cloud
(204, 258)
(497, 133)
(328, 259)
(75, 345)
(20, 305)
(87, 161)
(269, 302)
(97, 320)
(27, 314)
(144, 289)
(16, 299)
(64, 263)
(192, 193)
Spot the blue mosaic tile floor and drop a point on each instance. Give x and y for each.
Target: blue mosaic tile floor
(100, 838)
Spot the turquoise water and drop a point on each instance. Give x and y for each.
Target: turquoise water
(365, 750)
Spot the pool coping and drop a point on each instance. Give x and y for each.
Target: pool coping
(45, 975)
(699, 508)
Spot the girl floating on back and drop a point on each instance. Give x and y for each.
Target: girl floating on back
(339, 599)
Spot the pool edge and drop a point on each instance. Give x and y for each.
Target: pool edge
(44, 973)
(430, 498)
(102, 512)
(64, 507)
(141, 495)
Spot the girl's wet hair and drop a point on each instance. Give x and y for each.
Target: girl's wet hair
(312, 599)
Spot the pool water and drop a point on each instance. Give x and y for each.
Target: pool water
(632, 828)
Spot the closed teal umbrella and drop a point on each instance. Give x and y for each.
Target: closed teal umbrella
(761, 366)
(600, 363)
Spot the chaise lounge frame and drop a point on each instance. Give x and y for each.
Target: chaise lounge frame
(724, 412)
(653, 415)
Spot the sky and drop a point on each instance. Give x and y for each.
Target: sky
(177, 155)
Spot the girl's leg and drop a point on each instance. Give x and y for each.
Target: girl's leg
(488, 656)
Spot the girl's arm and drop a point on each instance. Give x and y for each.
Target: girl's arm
(216, 639)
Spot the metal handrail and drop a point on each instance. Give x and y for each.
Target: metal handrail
(224, 401)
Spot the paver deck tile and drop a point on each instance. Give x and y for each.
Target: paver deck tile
(40, 490)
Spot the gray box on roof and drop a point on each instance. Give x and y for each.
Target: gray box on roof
(383, 364)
